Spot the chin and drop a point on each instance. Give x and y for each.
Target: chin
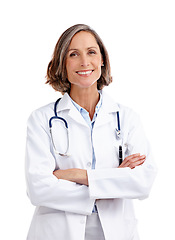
(84, 84)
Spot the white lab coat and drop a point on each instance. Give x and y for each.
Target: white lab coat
(62, 206)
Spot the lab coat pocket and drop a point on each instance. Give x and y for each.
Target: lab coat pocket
(130, 229)
(117, 143)
(126, 148)
(64, 162)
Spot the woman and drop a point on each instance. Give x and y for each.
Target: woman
(75, 180)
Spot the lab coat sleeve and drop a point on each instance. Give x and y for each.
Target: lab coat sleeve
(43, 188)
(125, 182)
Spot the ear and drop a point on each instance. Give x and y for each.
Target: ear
(102, 62)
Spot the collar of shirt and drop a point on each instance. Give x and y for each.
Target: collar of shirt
(85, 113)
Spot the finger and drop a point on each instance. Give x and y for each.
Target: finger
(135, 160)
(135, 164)
(132, 156)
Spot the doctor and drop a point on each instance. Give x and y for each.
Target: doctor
(75, 181)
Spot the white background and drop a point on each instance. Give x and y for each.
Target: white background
(140, 38)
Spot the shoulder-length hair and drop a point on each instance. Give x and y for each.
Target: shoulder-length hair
(56, 71)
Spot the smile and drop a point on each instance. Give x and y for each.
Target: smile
(84, 72)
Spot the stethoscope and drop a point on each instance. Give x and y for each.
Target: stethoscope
(66, 127)
(56, 117)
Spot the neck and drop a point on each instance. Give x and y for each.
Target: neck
(86, 98)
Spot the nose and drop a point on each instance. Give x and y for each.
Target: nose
(84, 61)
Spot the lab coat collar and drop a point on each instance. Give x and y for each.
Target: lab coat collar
(108, 106)
(66, 104)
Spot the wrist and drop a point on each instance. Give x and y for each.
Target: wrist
(82, 177)
(74, 175)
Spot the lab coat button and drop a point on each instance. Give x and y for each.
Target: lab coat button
(82, 221)
(89, 164)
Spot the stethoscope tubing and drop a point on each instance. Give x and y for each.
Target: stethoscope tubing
(57, 118)
(118, 130)
(66, 126)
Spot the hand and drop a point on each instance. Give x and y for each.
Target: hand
(133, 161)
(73, 174)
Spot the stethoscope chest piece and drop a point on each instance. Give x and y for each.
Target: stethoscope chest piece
(118, 130)
(118, 134)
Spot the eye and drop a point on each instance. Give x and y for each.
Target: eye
(91, 52)
(73, 54)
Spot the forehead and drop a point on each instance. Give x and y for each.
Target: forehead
(83, 40)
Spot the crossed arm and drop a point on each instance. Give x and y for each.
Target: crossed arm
(80, 175)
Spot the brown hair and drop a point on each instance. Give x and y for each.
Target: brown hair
(56, 71)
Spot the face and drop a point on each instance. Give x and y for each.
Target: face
(84, 61)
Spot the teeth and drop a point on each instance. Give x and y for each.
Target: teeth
(84, 73)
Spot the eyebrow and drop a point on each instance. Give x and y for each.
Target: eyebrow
(75, 49)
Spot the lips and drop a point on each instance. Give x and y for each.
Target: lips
(84, 73)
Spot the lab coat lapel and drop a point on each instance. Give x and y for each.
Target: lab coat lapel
(108, 107)
(102, 118)
(76, 116)
(66, 105)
